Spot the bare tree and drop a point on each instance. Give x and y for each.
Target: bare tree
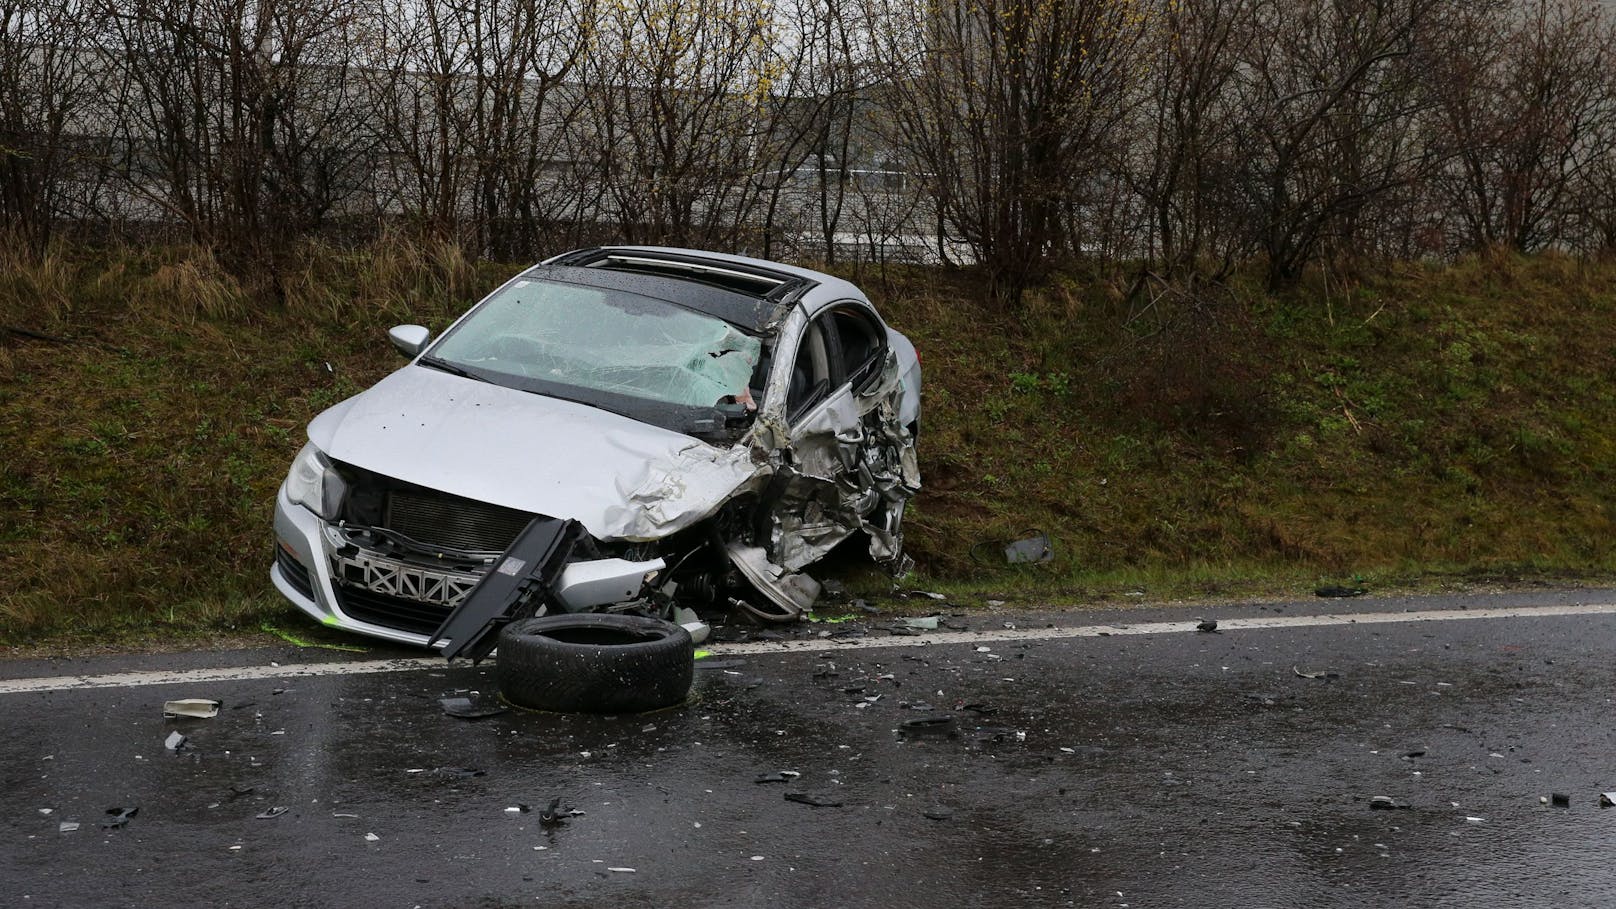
(1525, 106)
(48, 73)
(1007, 106)
(1330, 90)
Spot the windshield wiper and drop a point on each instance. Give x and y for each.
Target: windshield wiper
(584, 401)
(452, 369)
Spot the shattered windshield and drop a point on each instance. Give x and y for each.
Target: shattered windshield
(646, 358)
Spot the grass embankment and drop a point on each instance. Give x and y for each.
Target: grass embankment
(1421, 422)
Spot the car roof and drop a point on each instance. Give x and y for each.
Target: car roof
(751, 293)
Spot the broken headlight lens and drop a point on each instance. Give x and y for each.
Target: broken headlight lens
(313, 484)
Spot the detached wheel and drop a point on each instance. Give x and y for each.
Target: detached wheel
(594, 663)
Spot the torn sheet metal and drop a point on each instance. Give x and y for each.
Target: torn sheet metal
(791, 592)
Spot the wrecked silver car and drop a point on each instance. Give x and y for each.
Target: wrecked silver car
(669, 429)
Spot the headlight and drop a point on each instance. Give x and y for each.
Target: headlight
(313, 484)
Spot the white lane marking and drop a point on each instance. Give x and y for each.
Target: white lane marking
(811, 645)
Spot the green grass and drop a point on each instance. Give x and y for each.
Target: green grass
(1417, 425)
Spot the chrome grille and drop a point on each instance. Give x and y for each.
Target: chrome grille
(437, 519)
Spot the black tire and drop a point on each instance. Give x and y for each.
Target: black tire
(594, 663)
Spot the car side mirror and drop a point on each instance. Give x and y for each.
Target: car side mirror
(409, 339)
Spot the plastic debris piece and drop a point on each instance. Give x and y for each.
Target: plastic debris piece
(927, 724)
(459, 773)
(371, 837)
(1560, 800)
(552, 815)
(1323, 674)
(344, 814)
(1335, 590)
(119, 817)
(1385, 803)
(921, 623)
(67, 826)
(1607, 799)
(866, 608)
(174, 742)
(1207, 626)
(467, 709)
(1030, 550)
(622, 870)
(813, 800)
(937, 814)
(272, 813)
(199, 708)
(770, 778)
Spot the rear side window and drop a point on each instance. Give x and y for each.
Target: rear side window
(863, 346)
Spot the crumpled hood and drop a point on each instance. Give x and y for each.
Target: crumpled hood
(620, 478)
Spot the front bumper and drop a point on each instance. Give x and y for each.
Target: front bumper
(302, 572)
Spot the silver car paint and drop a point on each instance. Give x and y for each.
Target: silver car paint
(627, 480)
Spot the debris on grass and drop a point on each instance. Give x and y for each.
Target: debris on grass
(1335, 590)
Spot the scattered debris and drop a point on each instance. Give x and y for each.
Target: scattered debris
(622, 870)
(937, 814)
(688, 620)
(777, 777)
(1415, 754)
(371, 837)
(67, 826)
(1208, 626)
(1607, 799)
(553, 816)
(518, 808)
(459, 773)
(119, 817)
(924, 623)
(199, 708)
(1560, 800)
(272, 813)
(466, 709)
(927, 724)
(174, 742)
(866, 608)
(1334, 590)
(816, 801)
(1385, 803)
(1033, 549)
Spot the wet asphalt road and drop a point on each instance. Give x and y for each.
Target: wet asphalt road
(1176, 769)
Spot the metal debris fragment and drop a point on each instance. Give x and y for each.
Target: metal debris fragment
(813, 800)
(119, 817)
(198, 708)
